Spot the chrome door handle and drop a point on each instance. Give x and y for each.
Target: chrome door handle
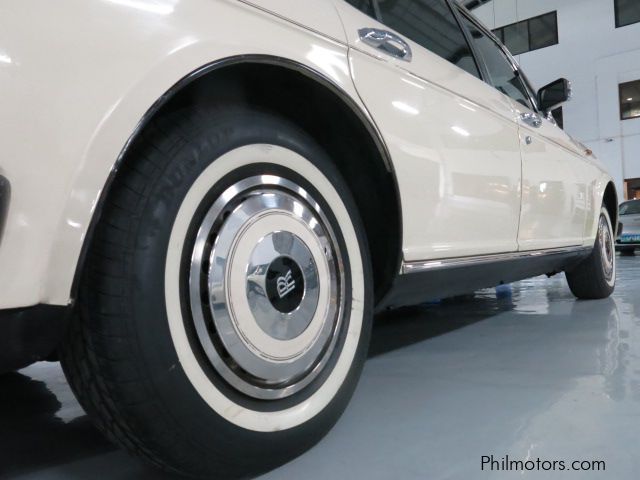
(387, 42)
(531, 119)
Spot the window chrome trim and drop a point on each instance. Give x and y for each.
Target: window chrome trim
(510, 59)
(430, 265)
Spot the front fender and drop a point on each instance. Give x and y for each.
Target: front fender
(603, 193)
(72, 107)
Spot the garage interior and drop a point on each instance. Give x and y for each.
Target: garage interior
(522, 370)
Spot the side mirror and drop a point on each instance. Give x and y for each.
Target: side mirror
(553, 95)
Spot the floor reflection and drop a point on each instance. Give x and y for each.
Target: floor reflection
(33, 431)
(406, 326)
(519, 370)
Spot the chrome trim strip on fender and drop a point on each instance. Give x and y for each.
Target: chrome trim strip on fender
(421, 266)
(255, 5)
(361, 113)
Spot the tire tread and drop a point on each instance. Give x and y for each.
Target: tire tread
(586, 280)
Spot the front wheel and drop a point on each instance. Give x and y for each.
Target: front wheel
(595, 276)
(225, 311)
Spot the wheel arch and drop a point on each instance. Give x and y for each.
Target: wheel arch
(610, 201)
(363, 159)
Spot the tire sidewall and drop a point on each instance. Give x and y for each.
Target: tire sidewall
(182, 405)
(598, 249)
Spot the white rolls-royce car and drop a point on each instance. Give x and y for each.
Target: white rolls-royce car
(203, 203)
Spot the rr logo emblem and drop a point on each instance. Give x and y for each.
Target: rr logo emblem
(285, 284)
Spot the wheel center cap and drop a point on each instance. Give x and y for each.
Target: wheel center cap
(285, 284)
(282, 285)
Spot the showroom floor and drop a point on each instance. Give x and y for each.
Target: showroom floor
(523, 370)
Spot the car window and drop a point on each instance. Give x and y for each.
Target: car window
(500, 72)
(365, 6)
(430, 23)
(630, 208)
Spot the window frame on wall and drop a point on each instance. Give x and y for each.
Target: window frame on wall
(623, 98)
(500, 32)
(632, 188)
(616, 8)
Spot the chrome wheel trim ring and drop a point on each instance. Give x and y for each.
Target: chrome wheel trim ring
(214, 392)
(607, 250)
(236, 229)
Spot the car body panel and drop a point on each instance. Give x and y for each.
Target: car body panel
(577, 196)
(454, 143)
(597, 189)
(75, 90)
(316, 15)
(554, 189)
(69, 109)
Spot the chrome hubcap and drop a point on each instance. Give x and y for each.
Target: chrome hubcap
(266, 287)
(606, 247)
(282, 285)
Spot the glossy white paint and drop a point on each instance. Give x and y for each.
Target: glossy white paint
(554, 188)
(316, 15)
(562, 190)
(454, 142)
(596, 56)
(559, 188)
(69, 109)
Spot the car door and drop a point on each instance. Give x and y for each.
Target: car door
(453, 139)
(554, 187)
(554, 180)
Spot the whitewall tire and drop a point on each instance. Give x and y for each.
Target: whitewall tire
(225, 312)
(595, 276)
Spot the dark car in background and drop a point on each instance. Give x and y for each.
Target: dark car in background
(629, 235)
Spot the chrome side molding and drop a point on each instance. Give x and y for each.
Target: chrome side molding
(421, 266)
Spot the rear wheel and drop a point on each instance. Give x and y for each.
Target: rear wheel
(225, 311)
(595, 276)
(628, 251)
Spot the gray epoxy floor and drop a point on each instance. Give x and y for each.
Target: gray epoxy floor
(524, 370)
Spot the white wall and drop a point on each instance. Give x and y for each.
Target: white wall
(596, 57)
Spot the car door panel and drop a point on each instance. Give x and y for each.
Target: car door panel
(554, 196)
(454, 143)
(583, 167)
(555, 200)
